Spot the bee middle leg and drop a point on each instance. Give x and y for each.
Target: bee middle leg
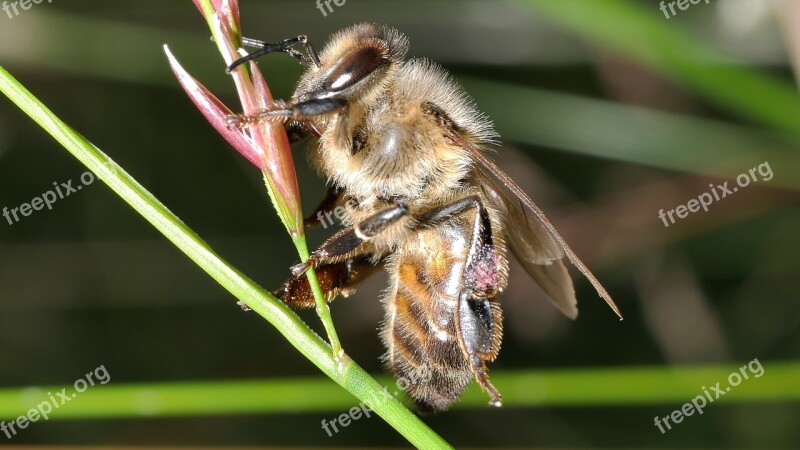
(352, 240)
(324, 210)
(341, 262)
(479, 321)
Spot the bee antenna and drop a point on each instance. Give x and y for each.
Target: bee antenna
(244, 59)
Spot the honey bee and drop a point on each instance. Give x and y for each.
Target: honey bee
(403, 149)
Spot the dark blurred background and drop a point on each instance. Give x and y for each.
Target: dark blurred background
(601, 139)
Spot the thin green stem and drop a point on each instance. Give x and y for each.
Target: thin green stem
(345, 372)
(323, 311)
(321, 306)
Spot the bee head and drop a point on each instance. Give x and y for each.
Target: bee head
(355, 65)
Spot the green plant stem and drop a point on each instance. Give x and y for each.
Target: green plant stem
(323, 311)
(321, 306)
(345, 372)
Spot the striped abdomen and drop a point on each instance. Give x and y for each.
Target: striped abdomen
(422, 332)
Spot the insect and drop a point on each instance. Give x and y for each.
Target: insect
(403, 150)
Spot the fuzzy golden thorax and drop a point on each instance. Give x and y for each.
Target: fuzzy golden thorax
(388, 143)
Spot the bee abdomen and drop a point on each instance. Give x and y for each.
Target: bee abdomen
(420, 334)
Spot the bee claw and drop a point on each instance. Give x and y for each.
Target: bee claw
(280, 292)
(299, 269)
(233, 121)
(243, 306)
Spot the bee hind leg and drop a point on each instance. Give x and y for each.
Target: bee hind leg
(479, 323)
(480, 327)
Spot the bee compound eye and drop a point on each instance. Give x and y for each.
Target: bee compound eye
(354, 68)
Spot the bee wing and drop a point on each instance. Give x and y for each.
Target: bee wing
(533, 239)
(533, 245)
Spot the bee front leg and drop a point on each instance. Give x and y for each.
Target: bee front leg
(282, 46)
(280, 112)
